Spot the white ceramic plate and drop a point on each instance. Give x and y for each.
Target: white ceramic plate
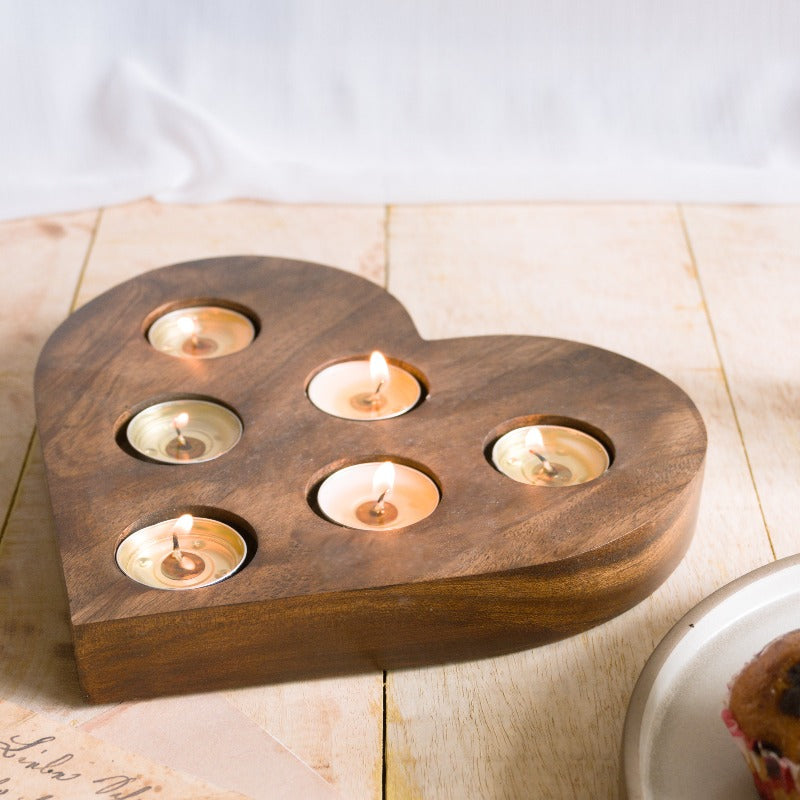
(675, 745)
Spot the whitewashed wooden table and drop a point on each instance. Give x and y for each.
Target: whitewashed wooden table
(709, 296)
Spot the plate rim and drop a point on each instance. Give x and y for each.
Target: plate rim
(630, 777)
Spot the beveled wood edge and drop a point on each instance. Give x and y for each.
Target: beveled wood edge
(666, 538)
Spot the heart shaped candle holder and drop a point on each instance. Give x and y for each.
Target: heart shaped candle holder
(492, 565)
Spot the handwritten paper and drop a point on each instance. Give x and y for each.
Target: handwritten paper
(42, 760)
(204, 735)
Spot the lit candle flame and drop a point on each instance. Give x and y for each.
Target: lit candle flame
(382, 483)
(184, 524)
(378, 370)
(533, 439)
(383, 479)
(187, 326)
(534, 444)
(181, 420)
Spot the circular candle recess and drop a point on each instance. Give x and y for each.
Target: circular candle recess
(201, 332)
(184, 431)
(207, 552)
(353, 497)
(365, 389)
(550, 455)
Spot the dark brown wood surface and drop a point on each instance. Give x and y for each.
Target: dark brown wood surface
(498, 566)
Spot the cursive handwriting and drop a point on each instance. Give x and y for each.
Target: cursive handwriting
(28, 754)
(115, 787)
(115, 782)
(20, 752)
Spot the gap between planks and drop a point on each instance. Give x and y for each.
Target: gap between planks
(707, 312)
(387, 222)
(17, 486)
(86, 258)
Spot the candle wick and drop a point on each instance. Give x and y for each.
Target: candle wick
(375, 395)
(379, 508)
(176, 548)
(546, 465)
(181, 437)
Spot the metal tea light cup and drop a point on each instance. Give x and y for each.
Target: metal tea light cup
(201, 332)
(210, 430)
(216, 552)
(566, 456)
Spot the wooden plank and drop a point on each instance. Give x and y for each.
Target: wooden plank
(547, 722)
(333, 725)
(146, 235)
(749, 264)
(42, 260)
(37, 669)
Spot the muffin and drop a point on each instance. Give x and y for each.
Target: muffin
(763, 715)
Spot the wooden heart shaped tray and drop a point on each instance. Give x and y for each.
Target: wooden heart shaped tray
(498, 566)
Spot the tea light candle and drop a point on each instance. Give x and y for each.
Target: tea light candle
(201, 332)
(550, 455)
(365, 389)
(184, 431)
(183, 553)
(376, 496)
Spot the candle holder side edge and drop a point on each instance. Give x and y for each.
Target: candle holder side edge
(361, 631)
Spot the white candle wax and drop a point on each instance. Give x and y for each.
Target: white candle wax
(184, 431)
(414, 496)
(348, 390)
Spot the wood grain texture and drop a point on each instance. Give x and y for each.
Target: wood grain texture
(41, 262)
(547, 722)
(499, 566)
(749, 264)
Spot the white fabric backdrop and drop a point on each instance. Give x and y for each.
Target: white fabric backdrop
(448, 100)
